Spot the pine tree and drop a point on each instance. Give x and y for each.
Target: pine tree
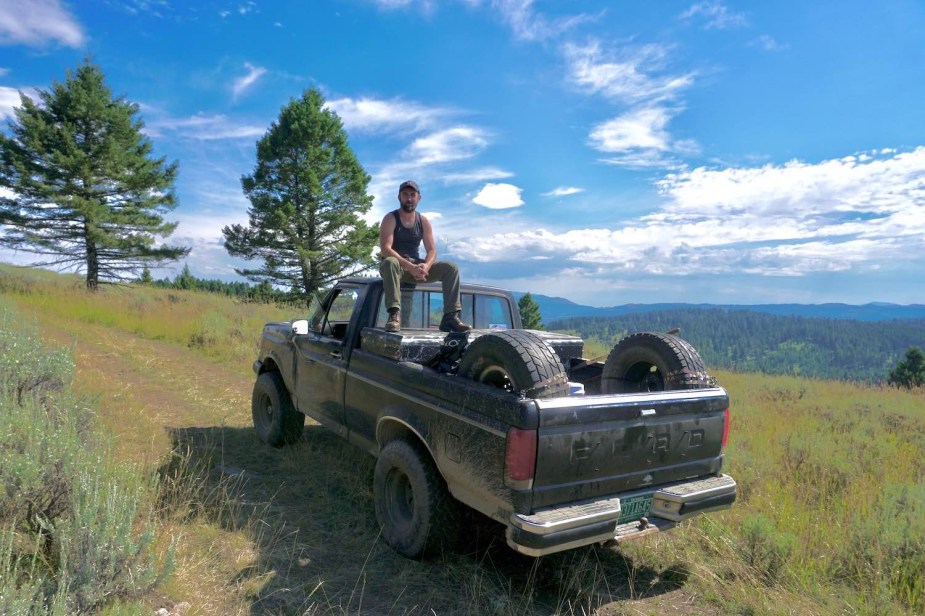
(529, 312)
(910, 372)
(308, 195)
(85, 193)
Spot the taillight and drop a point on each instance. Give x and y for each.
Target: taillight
(520, 458)
(725, 427)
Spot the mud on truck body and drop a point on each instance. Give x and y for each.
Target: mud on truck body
(515, 424)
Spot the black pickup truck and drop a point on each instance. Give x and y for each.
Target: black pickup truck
(564, 451)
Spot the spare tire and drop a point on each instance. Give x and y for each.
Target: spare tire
(649, 361)
(515, 360)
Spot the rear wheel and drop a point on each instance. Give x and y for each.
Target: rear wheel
(276, 421)
(417, 515)
(517, 361)
(650, 361)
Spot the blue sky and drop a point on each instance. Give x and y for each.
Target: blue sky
(608, 152)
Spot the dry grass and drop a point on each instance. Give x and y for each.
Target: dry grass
(829, 519)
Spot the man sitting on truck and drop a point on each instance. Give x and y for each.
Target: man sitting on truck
(400, 237)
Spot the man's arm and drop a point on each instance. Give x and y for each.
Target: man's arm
(429, 245)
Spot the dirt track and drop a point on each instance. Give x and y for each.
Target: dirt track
(300, 536)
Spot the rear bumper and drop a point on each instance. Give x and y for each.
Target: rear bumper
(561, 528)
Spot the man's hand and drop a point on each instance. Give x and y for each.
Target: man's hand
(420, 271)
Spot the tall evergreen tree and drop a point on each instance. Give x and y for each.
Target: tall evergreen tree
(910, 372)
(86, 193)
(529, 312)
(308, 195)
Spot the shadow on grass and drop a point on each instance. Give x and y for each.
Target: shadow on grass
(309, 510)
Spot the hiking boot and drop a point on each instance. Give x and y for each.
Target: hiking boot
(452, 323)
(394, 322)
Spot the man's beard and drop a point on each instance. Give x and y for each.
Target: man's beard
(407, 207)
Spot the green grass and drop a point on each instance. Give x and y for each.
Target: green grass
(830, 517)
(76, 529)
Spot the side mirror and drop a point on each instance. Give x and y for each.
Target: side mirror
(300, 327)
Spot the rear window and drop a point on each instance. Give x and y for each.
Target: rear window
(423, 309)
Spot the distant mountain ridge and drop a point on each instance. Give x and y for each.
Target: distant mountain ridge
(555, 308)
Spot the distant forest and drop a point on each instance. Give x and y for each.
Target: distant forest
(746, 341)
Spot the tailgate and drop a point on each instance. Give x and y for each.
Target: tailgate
(591, 446)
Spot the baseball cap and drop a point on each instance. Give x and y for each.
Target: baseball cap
(409, 184)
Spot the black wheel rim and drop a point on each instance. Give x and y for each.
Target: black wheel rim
(644, 376)
(265, 410)
(399, 499)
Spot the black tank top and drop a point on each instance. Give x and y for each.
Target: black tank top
(407, 241)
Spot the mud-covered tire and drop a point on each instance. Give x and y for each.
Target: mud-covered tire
(276, 421)
(515, 360)
(650, 361)
(416, 513)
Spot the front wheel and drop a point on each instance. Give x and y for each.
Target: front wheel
(418, 516)
(276, 420)
(650, 361)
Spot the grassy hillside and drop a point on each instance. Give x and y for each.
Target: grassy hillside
(830, 517)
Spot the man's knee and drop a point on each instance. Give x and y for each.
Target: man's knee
(446, 268)
(389, 265)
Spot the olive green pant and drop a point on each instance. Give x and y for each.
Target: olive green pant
(444, 271)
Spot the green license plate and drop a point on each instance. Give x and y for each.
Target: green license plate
(634, 508)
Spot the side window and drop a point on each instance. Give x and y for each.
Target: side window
(332, 320)
(492, 313)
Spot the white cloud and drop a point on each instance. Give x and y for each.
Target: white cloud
(376, 116)
(624, 75)
(859, 214)
(37, 23)
(242, 84)
(639, 129)
(447, 145)
(9, 98)
(204, 128)
(715, 15)
(499, 196)
(640, 139)
(563, 191)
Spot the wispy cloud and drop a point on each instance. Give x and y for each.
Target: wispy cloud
(243, 84)
(384, 116)
(563, 191)
(858, 213)
(625, 75)
(499, 196)
(529, 25)
(715, 16)
(204, 127)
(38, 23)
(447, 145)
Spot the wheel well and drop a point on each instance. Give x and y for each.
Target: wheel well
(268, 365)
(391, 429)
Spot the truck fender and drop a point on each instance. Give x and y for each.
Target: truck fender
(402, 425)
